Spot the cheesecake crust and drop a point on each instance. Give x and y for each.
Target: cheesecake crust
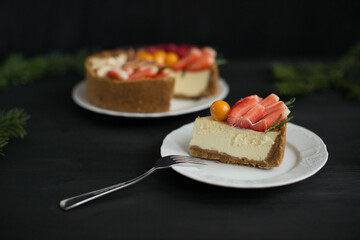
(145, 95)
(212, 87)
(273, 159)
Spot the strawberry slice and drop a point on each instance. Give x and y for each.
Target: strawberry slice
(273, 107)
(239, 109)
(202, 63)
(260, 126)
(269, 100)
(271, 118)
(255, 113)
(256, 97)
(113, 74)
(143, 72)
(117, 73)
(193, 55)
(208, 51)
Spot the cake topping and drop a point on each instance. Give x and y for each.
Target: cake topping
(179, 57)
(219, 110)
(259, 114)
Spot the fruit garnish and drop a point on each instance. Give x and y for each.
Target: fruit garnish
(273, 107)
(260, 115)
(159, 57)
(190, 57)
(142, 72)
(256, 97)
(171, 58)
(208, 51)
(113, 74)
(200, 64)
(271, 99)
(171, 47)
(117, 73)
(219, 110)
(144, 56)
(152, 49)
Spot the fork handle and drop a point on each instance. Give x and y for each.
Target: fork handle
(72, 202)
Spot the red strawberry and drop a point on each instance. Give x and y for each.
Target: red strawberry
(239, 109)
(271, 118)
(256, 97)
(193, 55)
(171, 47)
(113, 74)
(271, 99)
(260, 126)
(143, 72)
(208, 51)
(152, 49)
(202, 63)
(255, 113)
(250, 117)
(273, 107)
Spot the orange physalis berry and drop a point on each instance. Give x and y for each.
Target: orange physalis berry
(219, 110)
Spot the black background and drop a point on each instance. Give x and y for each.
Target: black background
(69, 150)
(236, 28)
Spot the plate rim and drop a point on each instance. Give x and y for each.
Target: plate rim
(258, 186)
(93, 108)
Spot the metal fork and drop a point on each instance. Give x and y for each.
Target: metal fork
(161, 163)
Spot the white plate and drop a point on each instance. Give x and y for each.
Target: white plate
(305, 154)
(177, 106)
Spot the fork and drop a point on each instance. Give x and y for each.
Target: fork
(161, 163)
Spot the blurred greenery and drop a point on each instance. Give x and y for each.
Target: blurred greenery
(18, 70)
(300, 79)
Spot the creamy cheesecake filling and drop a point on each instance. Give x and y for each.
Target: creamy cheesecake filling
(219, 136)
(191, 84)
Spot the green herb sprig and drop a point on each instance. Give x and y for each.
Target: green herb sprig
(12, 125)
(295, 80)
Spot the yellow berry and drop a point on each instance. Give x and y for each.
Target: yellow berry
(171, 59)
(159, 57)
(144, 56)
(219, 110)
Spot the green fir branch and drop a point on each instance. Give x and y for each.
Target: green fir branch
(12, 125)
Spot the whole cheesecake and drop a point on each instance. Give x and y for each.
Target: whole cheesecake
(252, 133)
(145, 80)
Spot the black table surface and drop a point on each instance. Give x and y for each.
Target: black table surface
(69, 150)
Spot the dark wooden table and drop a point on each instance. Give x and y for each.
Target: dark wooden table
(69, 150)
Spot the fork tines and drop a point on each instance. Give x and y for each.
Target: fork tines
(187, 159)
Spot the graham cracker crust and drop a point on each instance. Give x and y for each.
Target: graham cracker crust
(273, 159)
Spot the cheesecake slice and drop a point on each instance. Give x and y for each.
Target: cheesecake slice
(216, 140)
(251, 133)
